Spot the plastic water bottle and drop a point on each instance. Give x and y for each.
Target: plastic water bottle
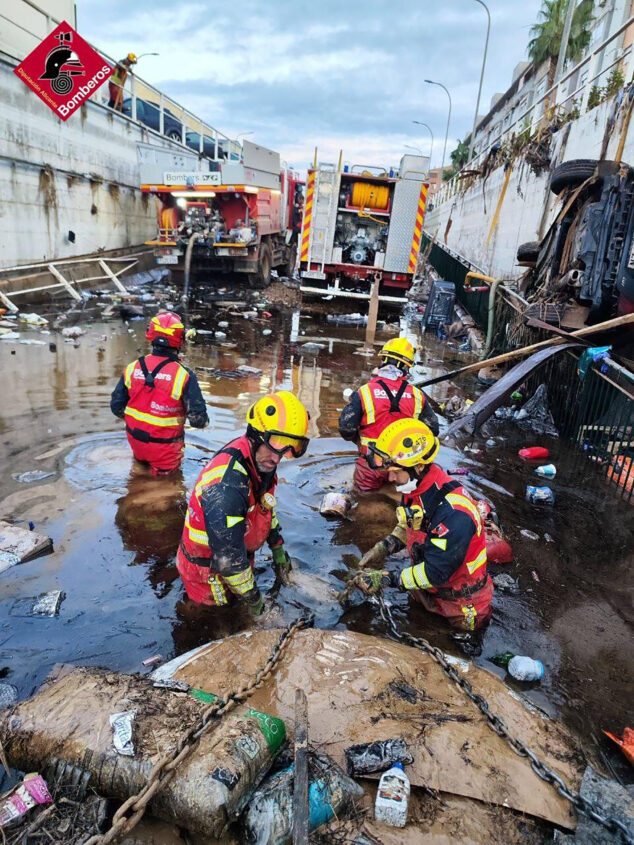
(525, 668)
(539, 495)
(546, 470)
(392, 797)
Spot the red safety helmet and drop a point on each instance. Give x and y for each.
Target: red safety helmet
(166, 329)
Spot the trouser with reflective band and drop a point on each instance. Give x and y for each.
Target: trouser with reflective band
(367, 479)
(204, 586)
(162, 455)
(467, 613)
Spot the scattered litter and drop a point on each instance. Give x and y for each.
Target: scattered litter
(171, 684)
(535, 415)
(376, 756)
(24, 543)
(311, 348)
(220, 335)
(535, 576)
(392, 796)
(248, 315)
(458, 471)
(32, 475)
(533, 453)
(73, 331)
(490, 443)
(548, 538)
(246, 370)
(269, 818)
(471, 450)
(540, 495)
(502, 659)
(530, 535)
(8, 695)
(505, 584)
(46, 604)
(9, 335)
(593, 355)
(267, 332)
(52, 346)
(121, 724)
(32, 319)
(547, 470)
(335, 504)
(266, 314)
(154, 660)
(223, 324)
(525, 668)
(202, 332)
(22, 799)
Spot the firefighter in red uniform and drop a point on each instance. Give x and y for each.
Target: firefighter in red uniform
(231, 511)
(387, 397)
(443, 530)
(155, 394)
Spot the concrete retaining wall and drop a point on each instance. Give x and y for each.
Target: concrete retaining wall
(529, 207)
(81, 176)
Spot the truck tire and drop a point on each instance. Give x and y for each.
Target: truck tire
(262, 278)
(528, 253)
(291, 261)
(571, 173)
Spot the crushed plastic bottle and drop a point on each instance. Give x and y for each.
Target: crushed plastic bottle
(533, 453)
(546, 470)
(540, 495)
(392, 797)
(525, 668)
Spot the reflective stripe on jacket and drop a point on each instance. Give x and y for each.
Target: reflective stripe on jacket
(155, 411)
(383, 401)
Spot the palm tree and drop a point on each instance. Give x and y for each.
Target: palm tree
(547, 33)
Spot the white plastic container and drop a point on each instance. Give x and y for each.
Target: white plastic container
(525, 668)
(392, 797)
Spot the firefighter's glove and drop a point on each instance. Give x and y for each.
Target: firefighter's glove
(255, 604)
(283, 563)
(411, 517)
(375, 556)
(372, 580)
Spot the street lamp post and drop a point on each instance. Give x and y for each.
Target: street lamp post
(484, 61)
(416, 149)
(444, 149)
(428, 128)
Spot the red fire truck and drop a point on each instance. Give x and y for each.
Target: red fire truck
(363, 224)
(243, 217)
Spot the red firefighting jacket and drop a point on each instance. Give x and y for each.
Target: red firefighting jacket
(383, 401)
(155, 412)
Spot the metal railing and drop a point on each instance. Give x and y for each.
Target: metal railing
(529, 119)
(165, 117)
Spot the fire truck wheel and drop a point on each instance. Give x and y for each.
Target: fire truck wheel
(262, 278)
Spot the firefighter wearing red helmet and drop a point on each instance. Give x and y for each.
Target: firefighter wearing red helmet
(155, 394)
(387, 397)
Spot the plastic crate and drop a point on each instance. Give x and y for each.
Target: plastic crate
(440, 305)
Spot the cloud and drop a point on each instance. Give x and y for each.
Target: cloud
(337, 75)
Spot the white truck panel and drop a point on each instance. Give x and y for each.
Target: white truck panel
(402, 220)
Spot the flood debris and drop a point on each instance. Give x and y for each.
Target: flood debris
(73, 332)
(335, 504)
(530, 535)
(506, 584)
(22, 542)
(22, 799)
(121, 724)
(32, 475)
(539, 495)
(371, 757)
(8, 695)
(46, 604)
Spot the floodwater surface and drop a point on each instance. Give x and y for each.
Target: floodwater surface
(116, 529)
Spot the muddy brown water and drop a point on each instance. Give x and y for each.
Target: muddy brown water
(115, 529)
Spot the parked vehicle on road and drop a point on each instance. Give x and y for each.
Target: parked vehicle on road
(150, 114)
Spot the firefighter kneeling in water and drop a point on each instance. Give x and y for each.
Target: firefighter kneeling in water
(154, 395)
(387, 397)
(442, 528)
(232, 507)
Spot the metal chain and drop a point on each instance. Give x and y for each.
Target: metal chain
(498, 725)
(131, 811)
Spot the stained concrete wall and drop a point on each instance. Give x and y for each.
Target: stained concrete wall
(81, 176)
(529, 206)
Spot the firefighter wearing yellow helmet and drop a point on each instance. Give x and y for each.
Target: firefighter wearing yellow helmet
(231, 510)
(441, 526)
(387, 397)
(116, 82)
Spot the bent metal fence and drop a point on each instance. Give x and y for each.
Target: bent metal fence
(595, 414)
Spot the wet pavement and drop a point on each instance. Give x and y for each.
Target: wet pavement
(115, 529)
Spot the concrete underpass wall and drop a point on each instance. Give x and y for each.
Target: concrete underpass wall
(80, 176)
(529, 207)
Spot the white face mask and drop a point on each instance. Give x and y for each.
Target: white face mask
(408, 487)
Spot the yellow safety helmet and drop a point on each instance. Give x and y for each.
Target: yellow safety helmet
(281, 422)
(404, 443)
(132, 58)
(398, 349)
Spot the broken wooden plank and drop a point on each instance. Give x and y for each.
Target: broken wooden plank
(301, 812)
(21, 542)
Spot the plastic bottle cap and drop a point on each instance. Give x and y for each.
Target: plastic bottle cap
(398, 765)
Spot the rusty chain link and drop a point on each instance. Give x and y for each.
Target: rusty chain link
(131, 811)
(497, 724)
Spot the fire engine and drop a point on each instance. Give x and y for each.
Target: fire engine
(363, 224)
(240, 216)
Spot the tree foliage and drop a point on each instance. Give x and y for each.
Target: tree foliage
(547, 33)
(460, 155)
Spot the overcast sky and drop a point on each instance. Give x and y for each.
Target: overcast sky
(326, 73)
